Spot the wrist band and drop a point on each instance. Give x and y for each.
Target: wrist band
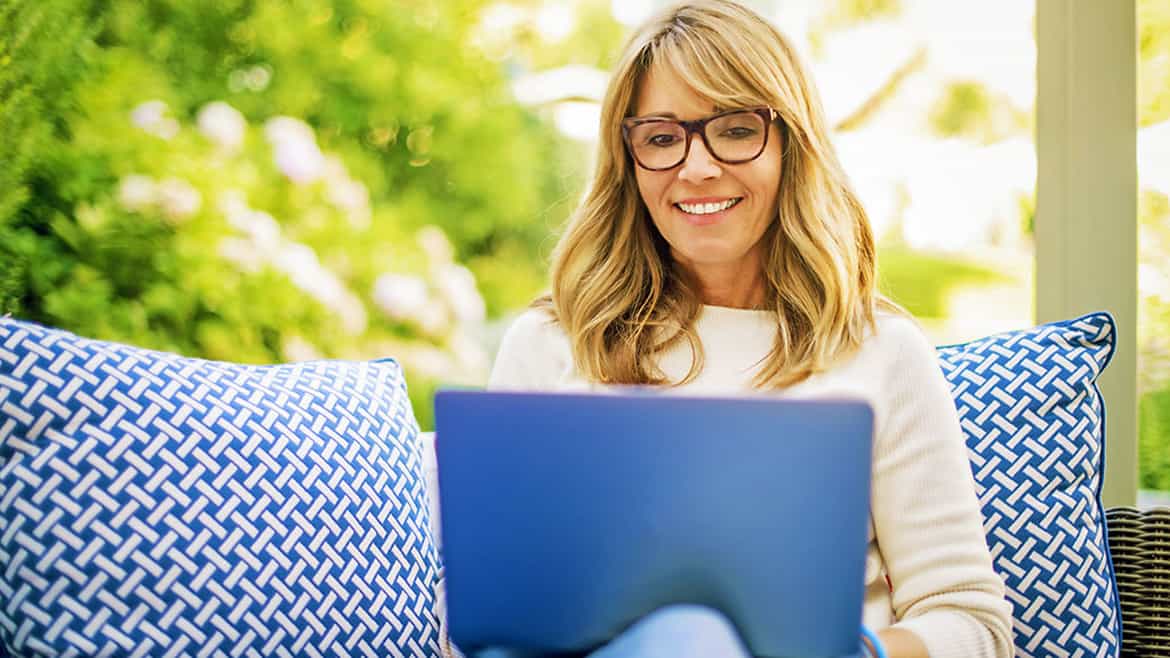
(874, 645)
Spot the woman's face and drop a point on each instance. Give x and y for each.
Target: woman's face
(713, 215)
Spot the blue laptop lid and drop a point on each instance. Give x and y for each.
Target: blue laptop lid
(568, 517)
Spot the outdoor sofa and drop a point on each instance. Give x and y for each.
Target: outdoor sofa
(152, 504)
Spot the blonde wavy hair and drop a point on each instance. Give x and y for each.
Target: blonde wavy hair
(615, 289)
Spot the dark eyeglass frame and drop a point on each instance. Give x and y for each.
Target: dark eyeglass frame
(698, 126)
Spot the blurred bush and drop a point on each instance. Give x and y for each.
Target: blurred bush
(1154, 247)
(1154, 341)
(970, 110)
(41, 61)
(922, 282)
(270, 181)
(1154, 61)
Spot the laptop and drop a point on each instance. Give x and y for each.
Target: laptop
(568, 517)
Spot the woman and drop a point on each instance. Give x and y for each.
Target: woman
(721, 249)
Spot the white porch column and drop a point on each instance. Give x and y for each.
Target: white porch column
(1086, 209)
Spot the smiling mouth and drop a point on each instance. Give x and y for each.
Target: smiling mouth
(707, 208)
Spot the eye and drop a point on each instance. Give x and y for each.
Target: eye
(662, 140)
(739, 132)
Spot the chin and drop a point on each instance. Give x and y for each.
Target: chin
(709, 255)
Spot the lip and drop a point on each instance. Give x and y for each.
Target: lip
(706, 199)
(706, 220)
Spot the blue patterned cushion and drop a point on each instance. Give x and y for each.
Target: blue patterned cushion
(157, 505)
(1034, 423)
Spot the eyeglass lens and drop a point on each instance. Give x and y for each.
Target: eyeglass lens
(734, 137)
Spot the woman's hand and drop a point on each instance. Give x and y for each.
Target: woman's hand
(900, 643)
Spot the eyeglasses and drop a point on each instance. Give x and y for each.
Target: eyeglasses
(732, 137)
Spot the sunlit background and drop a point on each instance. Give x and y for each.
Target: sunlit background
(265, 181)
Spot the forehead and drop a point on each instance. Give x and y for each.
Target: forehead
(662, 91)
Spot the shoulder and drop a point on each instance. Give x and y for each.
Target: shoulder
(892, 325)
(897, 351)
(896, 334)
(534, 352)
(534, 327)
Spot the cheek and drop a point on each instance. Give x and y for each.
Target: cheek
(768, 185)
(650, 187)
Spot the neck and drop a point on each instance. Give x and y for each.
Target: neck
(734, 286)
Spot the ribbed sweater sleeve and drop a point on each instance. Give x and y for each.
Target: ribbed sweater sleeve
(927, 523)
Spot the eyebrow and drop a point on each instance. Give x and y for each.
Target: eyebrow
(671, 115)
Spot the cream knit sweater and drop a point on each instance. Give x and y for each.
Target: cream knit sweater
(926, 534)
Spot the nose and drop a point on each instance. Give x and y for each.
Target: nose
(699, 165)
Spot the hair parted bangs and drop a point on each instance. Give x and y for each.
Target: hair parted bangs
(615, 289)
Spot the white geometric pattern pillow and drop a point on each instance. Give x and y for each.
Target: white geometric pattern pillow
(155, 505)
(1034, 422)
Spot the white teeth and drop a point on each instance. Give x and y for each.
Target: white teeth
(707, 208)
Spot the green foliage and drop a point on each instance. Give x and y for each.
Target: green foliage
(967, 109)
(595, 39)
(396, 85)
(841, 13)
(964, 106)
(1154, 342)
(1154, 62)
(1153, 455)
(922, 282)
(269, 181)
(1154, 245)
(1027, 203)
(41, 46)
(844, 14)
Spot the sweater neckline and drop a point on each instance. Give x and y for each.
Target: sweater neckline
(731, 311)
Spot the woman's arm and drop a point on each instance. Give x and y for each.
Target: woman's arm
(927, 520)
